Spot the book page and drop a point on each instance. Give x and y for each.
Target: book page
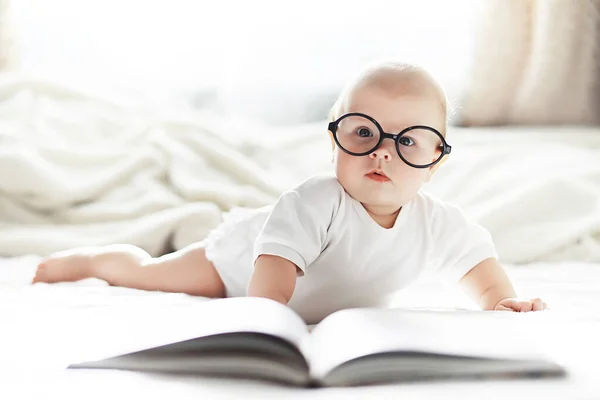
(349, 334)
(251, 314)
(221, 316)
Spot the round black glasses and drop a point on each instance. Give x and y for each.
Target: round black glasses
(419, 146)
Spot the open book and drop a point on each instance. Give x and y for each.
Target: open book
(261, 339)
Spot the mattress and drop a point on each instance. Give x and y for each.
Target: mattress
(44, 327)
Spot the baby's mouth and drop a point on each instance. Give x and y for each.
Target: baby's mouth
(378, 176)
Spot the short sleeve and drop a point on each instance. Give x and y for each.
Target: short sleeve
(459, 244)
(295, 230)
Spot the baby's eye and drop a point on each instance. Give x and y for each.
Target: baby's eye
(406, 141)
(364, 132)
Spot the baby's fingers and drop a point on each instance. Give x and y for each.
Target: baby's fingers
(521, 305)
(515, 305)
(504, 307)
(538, 304)
(509, 305)
(524, 306)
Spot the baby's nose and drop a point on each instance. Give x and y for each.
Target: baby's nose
(381, 152)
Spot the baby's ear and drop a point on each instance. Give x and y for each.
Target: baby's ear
(332, 147)
(332, 140)
(431, 170)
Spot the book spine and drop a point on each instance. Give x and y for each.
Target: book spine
(315, 383)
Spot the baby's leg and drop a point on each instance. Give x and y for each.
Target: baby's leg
(186, 270)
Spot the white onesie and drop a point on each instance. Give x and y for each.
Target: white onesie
(346, 259)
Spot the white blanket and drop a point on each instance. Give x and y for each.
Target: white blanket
(79, 169)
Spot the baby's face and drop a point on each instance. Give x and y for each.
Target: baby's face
(394, 112)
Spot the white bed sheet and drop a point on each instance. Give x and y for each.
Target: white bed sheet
(45, 327)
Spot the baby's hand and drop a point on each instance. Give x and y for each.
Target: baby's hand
(520, 305)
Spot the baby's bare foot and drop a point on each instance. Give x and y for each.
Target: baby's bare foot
(65, 266)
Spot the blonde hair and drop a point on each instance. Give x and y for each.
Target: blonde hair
(394, 77)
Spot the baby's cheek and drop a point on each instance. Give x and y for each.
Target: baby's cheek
(346, 177)
(349, 175)
(410, 181)
(346, 166)
(341, 169)
(405, 173)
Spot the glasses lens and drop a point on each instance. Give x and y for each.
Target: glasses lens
(357, 134)
(420, 146)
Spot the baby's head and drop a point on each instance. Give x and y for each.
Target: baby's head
(392, 97)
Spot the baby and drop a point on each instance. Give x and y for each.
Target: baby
(351, 239)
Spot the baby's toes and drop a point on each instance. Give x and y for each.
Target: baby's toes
(40, 273)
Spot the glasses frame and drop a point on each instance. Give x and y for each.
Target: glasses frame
(333, 126)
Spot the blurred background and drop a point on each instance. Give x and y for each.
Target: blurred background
(142, 121)
(267, 61)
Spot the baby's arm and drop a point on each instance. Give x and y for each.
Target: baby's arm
(488, 284)
(292, 237)
(465, 252)
(274, 277)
